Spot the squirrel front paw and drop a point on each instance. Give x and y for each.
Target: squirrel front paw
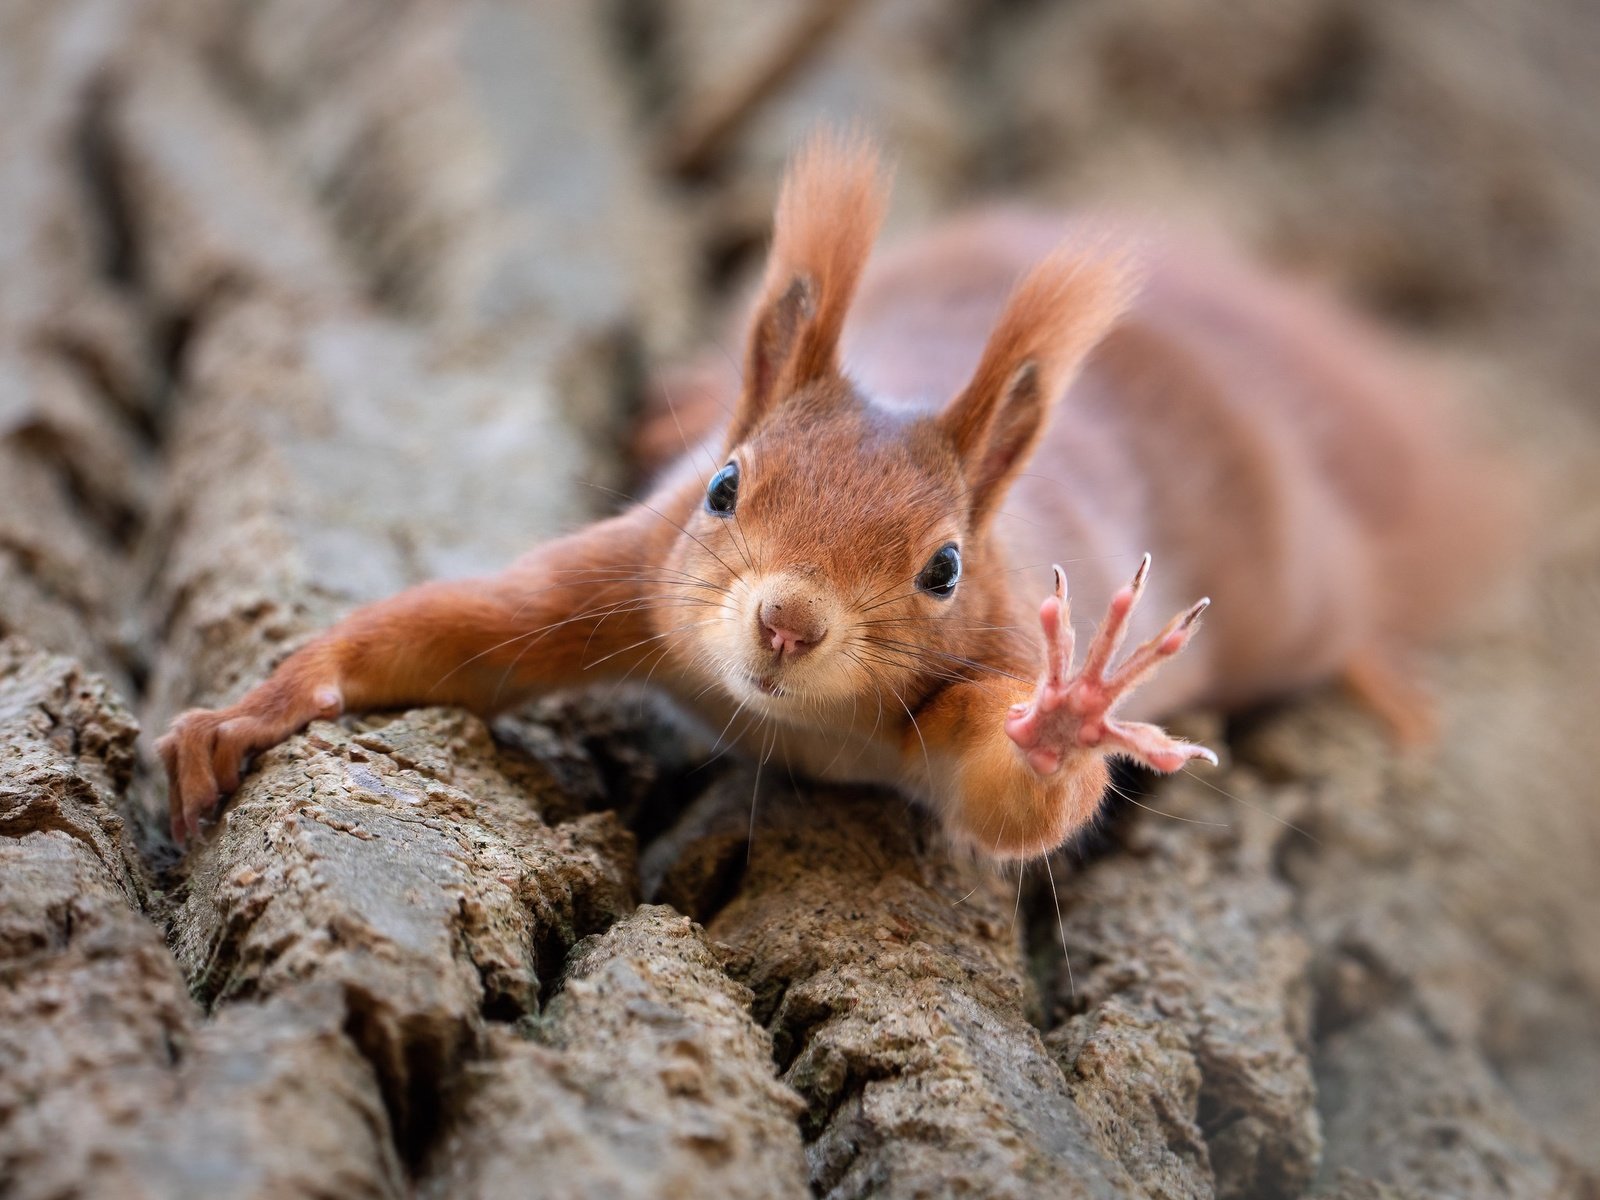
(1070, 713)
(204, 751)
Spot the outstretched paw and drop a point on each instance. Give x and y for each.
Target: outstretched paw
(1069, 714)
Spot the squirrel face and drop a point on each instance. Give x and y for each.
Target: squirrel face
(824, 566)
(833, 535)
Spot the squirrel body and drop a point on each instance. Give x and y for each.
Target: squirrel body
(839, 570)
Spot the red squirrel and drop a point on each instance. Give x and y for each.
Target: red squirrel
(837, 584)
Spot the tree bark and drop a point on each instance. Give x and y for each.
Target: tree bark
(301, 303)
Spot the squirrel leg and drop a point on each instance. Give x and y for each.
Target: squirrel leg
(1068, 712)
(484, 644)
(396, 651)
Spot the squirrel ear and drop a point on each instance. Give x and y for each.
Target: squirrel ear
(1054, 318)
(774, 334)
(829, 210)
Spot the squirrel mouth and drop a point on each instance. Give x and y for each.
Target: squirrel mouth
(767, 685)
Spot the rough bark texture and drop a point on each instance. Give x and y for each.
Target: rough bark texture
(114, 1081)
(646, 1076)
(301, 302)
(894, 987)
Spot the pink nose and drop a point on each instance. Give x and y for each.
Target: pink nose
(785, 641)
(779, 634)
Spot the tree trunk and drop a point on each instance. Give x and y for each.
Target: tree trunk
(302, 302)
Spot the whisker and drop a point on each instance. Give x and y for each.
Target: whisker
(660, 654)
(674, 524)
(654, 605)
(884, 659)
(944, 623)
(917, 660)
(653, 638)
(716, 753)
(1254, 807)
(867, 606)
(744, 550)
(672, 407)
(1072, 987)
(742, 538)
(926, 761)
(968, 896)
(600, 615)
(911, 660)
(755, 791)
(752, 720)
(593, 575)
(1171, 816)
(913, 648)
(855, 703)
(738, 373)
(923, 670)
(537, 632)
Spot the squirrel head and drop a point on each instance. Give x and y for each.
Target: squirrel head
(847, 536)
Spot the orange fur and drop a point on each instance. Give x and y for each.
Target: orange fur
(1055, 317)
(829, 210)
(1248, 433)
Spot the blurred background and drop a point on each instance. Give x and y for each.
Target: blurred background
(302, 301)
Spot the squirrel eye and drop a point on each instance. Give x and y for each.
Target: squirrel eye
(943, 572)
(723, 491)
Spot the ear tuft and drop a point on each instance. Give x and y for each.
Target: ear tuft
(1055, 317)
(832, 203)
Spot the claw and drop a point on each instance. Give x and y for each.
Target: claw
(1055, 618)
(1108, 638)
(1139, 576)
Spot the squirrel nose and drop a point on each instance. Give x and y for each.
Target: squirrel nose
(789, 634)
